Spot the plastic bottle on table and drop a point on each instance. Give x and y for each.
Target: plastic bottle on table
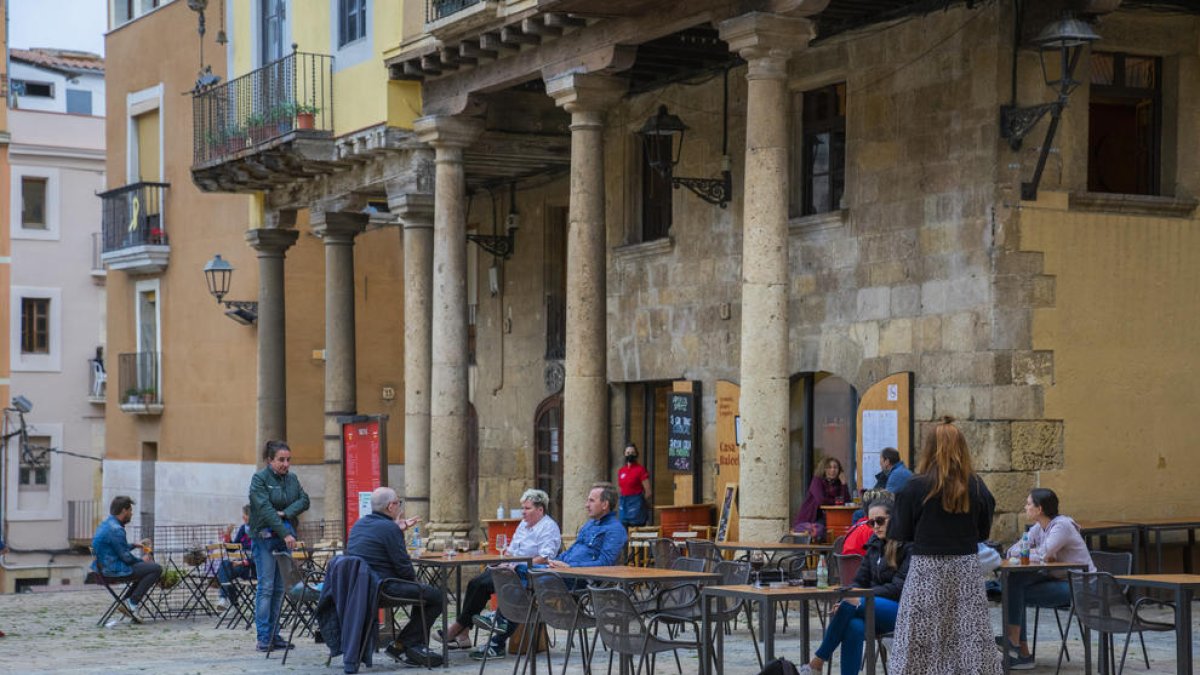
(1025, 549)
(822, 574)
(500, 512)
(416, 538)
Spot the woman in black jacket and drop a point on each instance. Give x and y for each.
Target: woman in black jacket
(883, 569)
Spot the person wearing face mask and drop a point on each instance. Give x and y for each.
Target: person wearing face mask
(633, 480)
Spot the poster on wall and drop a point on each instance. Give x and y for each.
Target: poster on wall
(884, 421)
(880, 429)
(681, 431)
(364, 464)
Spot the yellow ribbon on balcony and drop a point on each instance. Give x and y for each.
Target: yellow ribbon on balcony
(137, 207)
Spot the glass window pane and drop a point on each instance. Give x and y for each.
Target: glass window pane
(33, 203)
(1140, 72)
(1103, 66)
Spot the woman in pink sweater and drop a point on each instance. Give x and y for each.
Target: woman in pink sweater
(1053, 538)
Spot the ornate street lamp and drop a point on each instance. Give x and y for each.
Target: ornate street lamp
(218, 274)
(1063, 42)
(664, 156)
(501, 245)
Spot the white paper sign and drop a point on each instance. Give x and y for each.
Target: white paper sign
(893, 392)
(881, 429)
(364, 504)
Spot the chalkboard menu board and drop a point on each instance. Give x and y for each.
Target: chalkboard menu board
(681, 431)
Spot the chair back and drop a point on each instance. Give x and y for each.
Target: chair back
(514, 600)
(557, 605)
(294, 585)
(618, 621)
(665, 552)
(839, 544)
(847, 565)
(1113, 563)
(702, 548)
(689, 564)
(733, 573)
(796, 538)
(1100, 602)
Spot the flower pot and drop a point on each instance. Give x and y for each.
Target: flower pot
(306, 120)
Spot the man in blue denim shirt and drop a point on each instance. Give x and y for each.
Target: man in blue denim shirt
(113, 555)
(598, 544)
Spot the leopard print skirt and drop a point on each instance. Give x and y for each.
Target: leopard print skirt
(942, 627)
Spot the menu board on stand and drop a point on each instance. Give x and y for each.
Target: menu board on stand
(364, 464)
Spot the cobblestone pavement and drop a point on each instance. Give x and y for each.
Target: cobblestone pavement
(56, 632)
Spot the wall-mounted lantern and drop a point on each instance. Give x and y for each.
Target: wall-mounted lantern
(502, 245)
(218, 273)
(664, 156)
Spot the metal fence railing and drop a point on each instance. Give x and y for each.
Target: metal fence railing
(133, 216)
(138, 378)
(180, 538)
(294, 93)
(440, 9)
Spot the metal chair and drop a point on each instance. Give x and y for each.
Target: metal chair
(560, 609)
(147, 606)
(845, 567)
(1101, 604)
(239, 591)
(629, 633)
(517, 605)
(664, 551)
(705, 550)
(301, 591)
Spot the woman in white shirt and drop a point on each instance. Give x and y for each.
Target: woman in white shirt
(537, 537)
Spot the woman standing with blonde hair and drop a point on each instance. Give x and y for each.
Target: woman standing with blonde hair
(942, 626)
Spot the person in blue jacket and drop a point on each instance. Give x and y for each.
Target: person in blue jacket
(894, 475)
(114, 555)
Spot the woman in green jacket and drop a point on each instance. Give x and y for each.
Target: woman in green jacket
(276, 499)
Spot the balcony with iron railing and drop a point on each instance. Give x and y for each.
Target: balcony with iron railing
(139, 381)
(134, 228)
(273, 123)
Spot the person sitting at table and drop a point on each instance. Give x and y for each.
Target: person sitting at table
(894, 475)
(537, 537)
(598, 544)
(883, 570)
(861, 531)
(114, 555)
(826, 489)
(1053, 538)
(242, 568)
(378, 538)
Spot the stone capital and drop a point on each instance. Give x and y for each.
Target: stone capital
(414, 209)
(448, 131)
(271, 240)
(767, 41)
(336, 227)
(586, 92)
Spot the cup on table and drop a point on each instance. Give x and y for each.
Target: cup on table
(463, 545)
(501, 543)
(809, 578)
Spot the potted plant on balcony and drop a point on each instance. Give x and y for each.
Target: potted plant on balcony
(257, 124)
(281, 117)
(133, 396)
(235, 139)
(149, 395)
(306, 116)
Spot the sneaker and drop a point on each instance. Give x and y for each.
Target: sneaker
(423, 656)
(805, 669)
(461, 641)
(1002, 643)
(491, 650)
(262, 647)
(222, 604)
(280, 643)
(1021, 663)
(394, 652)
(492, 621)
(130, 609)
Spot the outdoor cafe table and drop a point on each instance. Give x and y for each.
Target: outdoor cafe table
(1007, 568)
(625, 575)
(442, 565)
(1159, 525)
(767, 599)
(1106, 528)
(1184, 586)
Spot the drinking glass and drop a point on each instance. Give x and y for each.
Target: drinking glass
(463, 545)
(757, 560)
(501, 543)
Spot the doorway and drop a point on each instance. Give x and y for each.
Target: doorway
(823, 410)
(548, 451)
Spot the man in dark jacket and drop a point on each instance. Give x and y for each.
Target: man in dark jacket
(378, 539)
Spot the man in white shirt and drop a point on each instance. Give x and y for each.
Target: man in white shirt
(537, 537)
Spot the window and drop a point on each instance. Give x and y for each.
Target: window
(352, 21)
(34, 471)
(33, 89)
(79, 101)
(1124, 124)
(656, 191)
(822, 151)
(272, 14)
(35, 325)
(33, 203)
(548, 450)
(554, 273)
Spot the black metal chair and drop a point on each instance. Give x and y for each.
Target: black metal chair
(300, 595)
(516, 603)
(705, 550)
(239, 591)
(1102, 605)
(125, 584)
(664, 552)
(629, 633)
(561, 609)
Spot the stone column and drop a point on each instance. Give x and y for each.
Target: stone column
(338, 230)
(271, 244)
(448, 489)
(766, 42)
(415, 212)
(585, 390)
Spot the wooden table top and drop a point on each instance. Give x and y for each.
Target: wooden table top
(462, 559)
(1169, 522)
(1086, 525)
(1161, 580)
(1006, 566)
(770, 546)
(841, 507)
(625, 573)
(668, 507)
(788, 593)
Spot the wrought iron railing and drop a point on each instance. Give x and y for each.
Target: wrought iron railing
(83, 515)
(133, 216)
(294, 93)
(440, 9)
(138, 378)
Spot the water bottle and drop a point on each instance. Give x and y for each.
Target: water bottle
(822, 574)
(1025, 549)
(416, 538)
(500, 511)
